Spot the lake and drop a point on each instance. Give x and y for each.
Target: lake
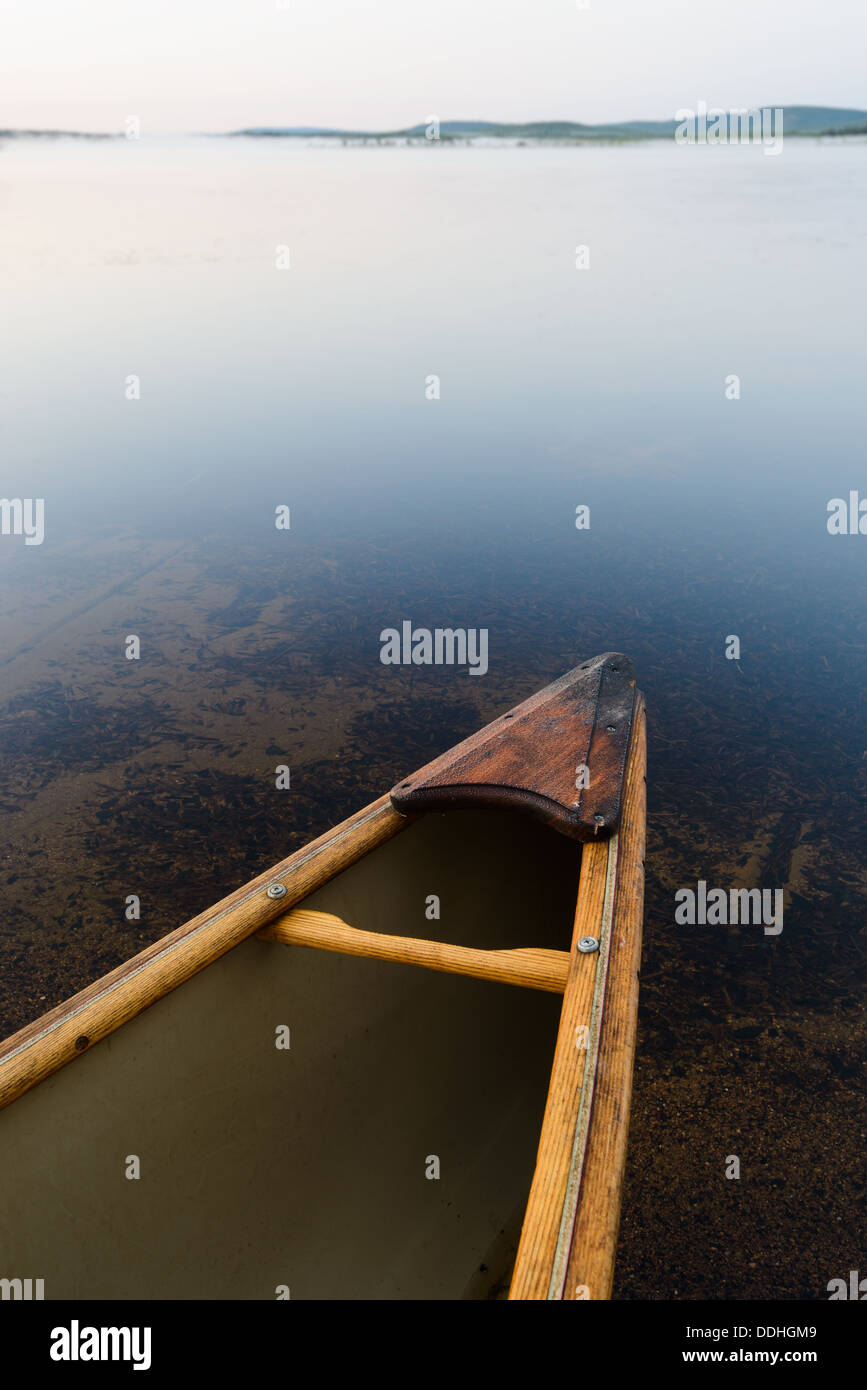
(398, 345)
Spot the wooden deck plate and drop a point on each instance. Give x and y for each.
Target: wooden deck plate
(530, 759)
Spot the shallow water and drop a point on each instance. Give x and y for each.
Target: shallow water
(558, 387)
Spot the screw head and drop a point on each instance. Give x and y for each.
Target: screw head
(276, 890)
(599, 819)
(588, 944)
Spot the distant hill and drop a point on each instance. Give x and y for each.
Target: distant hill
(797, 120)
(56, 135)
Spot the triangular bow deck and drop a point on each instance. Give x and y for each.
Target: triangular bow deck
(536, 757)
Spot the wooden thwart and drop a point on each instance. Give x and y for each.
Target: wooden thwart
(533, 968)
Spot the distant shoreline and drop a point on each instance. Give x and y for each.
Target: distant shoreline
(813, 121)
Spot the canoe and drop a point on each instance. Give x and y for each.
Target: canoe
(398, 1064)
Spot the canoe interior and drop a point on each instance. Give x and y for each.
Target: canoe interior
(305, 1168)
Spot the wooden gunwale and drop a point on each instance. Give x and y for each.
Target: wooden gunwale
(568, 1241)
(594, 1239)
(70, 1030)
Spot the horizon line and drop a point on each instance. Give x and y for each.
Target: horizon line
(468, 124)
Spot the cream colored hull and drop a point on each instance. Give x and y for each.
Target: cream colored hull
(264, 1169)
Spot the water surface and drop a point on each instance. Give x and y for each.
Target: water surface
(558, 387)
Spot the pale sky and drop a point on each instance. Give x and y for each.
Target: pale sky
(383, 64)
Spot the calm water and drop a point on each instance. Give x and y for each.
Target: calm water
(558, 387)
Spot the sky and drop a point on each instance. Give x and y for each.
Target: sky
(384, 64)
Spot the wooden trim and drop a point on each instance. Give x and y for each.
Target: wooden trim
(48, 1044)
(527, 759)
(594, 1242)
(538, 1245)
(534, 968)
(568, 1241)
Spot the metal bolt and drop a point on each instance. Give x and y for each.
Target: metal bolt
(588, 944)
(612, 728)
(600, 820)
(276, 890)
